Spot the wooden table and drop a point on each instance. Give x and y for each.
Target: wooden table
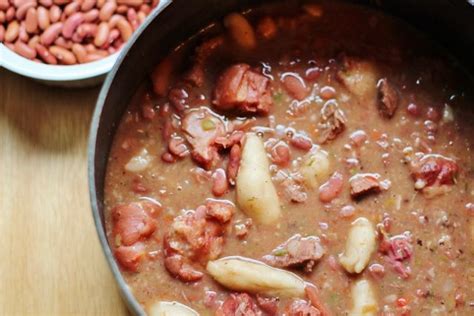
(51, 262)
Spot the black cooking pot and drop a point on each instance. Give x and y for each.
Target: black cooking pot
(451, 23)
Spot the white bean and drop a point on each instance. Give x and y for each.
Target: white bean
(256, 194)
(360, 245)
(243, 274)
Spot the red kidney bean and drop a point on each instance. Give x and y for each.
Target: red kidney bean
(43, 18)
(10, 14)
(72, 23)
(19, 3)
(88, 5)
(51, 33)
(2, 18)
(107, 10)
(100, 3)
(121, 9)
(125, 29)
(86, 30)
(24, 50)
(61, 2)
(61, 42)
(22, 34)
(12, 31)
(54, 13)
(80, 52)
(72, 8)
(280, 154)
(141, 17)
(4, 5)
(331, 188)
(34, 41)
(46, 3)
(113, 35)
(219, 182)
(301, 142)
(130, 3)
(145, 8)
(63, 55)
(31, 21)
(133, 18)
(101, 34)
(91, 16)
(21, 11)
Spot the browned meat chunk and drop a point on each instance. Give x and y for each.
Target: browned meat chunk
(177, 267)
(220, 210)
(197, 236)
(434, 174)
(202, 127)
(296, 251)
(332, 122)
(302, 308)
(238, 305)
(364, 183)
(243, 89)
(133, 222)
(387, 98)
(294, 191)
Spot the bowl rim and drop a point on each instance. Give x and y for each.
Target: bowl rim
(125, 290)
(40, 71)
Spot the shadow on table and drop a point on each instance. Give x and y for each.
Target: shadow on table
(53, 119)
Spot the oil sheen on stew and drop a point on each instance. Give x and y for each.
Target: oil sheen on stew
(298, 160)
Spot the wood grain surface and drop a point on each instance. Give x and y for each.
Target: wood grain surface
(51, 262)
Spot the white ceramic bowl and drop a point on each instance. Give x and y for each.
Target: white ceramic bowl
(81, 75)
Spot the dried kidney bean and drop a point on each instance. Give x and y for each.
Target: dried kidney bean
(69, 31)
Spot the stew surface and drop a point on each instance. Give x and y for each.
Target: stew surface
(298, 160)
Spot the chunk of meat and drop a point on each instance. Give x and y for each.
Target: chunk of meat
(129, 257)
(359, 77)
(302, 308)
(331, 123)
(296, 252)
(387, 98)
(238, 305)
(196, 236)
(280, 154)
(294, 191)
(196, 75)
(269, 305)
(243, 89)
(396, 250)
(202, 127)
(433, 170)
(330, 190)
(364, 183)
(133, 222)
(234, 163)
(179, 268)
(220, 210)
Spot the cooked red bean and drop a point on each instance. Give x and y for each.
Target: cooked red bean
(219, 182)
(280, 154)
(331, 188)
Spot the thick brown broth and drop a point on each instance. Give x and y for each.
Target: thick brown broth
(437, 276)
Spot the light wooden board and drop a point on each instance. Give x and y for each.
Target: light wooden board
(51, 262)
